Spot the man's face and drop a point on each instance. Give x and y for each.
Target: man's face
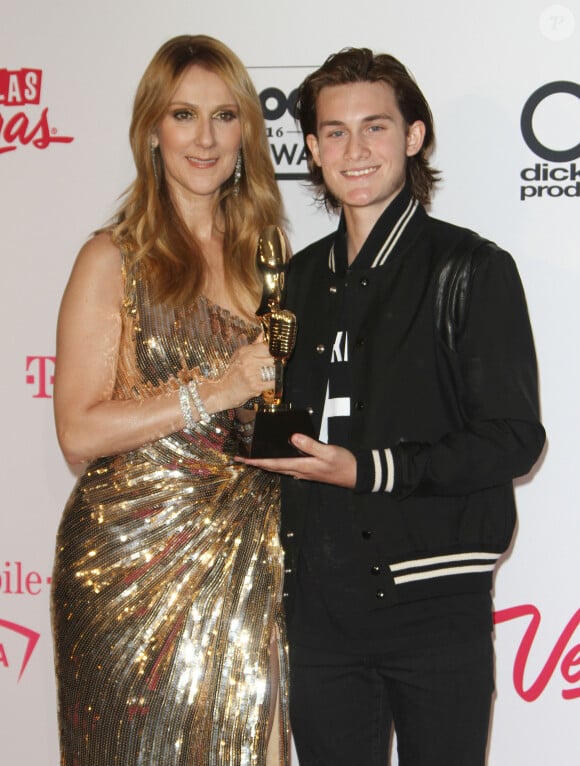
(362, 144)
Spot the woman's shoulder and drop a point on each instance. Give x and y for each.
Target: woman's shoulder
(101, 246)
(99, 255)
(98, 267)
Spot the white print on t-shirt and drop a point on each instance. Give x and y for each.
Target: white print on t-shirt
(340, 348)
(339, 406)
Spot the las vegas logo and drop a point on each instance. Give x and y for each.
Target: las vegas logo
(23, 121)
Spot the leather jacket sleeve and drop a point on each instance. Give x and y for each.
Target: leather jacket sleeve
(482, 318)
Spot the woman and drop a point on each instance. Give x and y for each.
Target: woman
(166, 595)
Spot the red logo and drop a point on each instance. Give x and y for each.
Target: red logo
(16, 580)
(569, 661)
(22, 88)
(40, 374)
(26, 644)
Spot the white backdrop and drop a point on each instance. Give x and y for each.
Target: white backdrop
(69, 69)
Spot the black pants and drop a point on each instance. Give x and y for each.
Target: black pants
(343, 706)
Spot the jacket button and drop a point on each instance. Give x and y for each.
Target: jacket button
(290, 534)
(310, 410)
(288, 571)
(375, 570)
(332, 289)
(380, 594)
(364, 282)
(321, 348)
(366, 534)
(359, 406)
(284, 595)
(359, 343)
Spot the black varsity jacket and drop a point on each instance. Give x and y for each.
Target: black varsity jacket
(444, 403)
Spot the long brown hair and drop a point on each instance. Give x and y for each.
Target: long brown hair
(148, 225)
(352, 65)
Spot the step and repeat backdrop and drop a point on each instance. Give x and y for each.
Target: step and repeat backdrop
(503, 81)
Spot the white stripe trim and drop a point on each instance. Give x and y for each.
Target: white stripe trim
(417, 563)
(395, 233)
(432, 574)
(390, 471)
(390, 242)
(331, 260)
(378, 472)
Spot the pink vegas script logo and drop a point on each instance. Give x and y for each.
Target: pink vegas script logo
(21, 122)
(570, 661)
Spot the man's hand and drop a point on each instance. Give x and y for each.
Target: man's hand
(326, 463)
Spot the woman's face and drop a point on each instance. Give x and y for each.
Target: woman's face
(199, 137)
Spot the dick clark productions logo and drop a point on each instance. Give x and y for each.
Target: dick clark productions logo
(559, 175)
(23, 121)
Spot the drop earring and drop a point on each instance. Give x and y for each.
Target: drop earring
(154, 164)
(238, 173)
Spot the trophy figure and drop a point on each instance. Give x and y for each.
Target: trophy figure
(276, 421)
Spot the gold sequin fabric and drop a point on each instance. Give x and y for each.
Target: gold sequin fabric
(168, 573)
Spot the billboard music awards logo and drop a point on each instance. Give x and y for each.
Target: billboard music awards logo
(277, 88)
(22, 121)
(549, 123)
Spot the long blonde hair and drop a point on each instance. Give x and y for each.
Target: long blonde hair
(149, 227)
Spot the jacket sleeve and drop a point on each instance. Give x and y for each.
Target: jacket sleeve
(502, 436)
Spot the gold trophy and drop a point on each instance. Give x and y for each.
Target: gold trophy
(276, 421)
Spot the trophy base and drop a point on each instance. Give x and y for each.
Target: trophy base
(273, 428)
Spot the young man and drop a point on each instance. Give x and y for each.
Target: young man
(416, 359)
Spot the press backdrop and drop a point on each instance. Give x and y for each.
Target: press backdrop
(502, 77)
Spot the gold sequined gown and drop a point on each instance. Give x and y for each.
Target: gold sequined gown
(168, 572)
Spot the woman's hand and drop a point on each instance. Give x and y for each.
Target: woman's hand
(325, 463)
(242, 380)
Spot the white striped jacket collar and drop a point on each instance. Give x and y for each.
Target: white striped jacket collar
(398, 214)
